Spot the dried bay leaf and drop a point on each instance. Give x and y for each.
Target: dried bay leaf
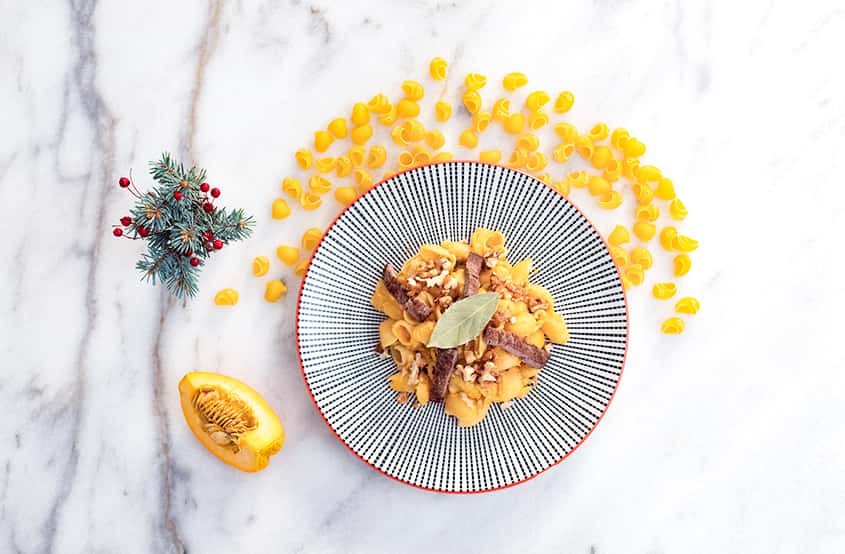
(464, 320)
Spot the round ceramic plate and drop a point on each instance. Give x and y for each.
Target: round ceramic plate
(337, 328)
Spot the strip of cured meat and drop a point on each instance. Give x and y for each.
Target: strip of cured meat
(528, 353)
(445, 361)
(471, 274)
(417, 308)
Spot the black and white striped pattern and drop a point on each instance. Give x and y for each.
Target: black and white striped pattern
(337, 329)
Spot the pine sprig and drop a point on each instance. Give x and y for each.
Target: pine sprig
(181, 225)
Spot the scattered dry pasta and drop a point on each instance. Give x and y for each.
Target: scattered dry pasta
(304, 158)
(475, 81)
(664, 291)
(677, 209)
(345, 195)
(513, 81)
(619, 235)
(564, 102)
(322, 140)
(260, 265)
(435, 139)
(226, 297)
(673, 326)
(687, 305)
(480, 121)
(536, 100)
(311, 238)
(337, 127)
(472, 101)
(287, 254)
(501, 109)
(644, 230)
(442, 111)
(437, 69)
(292, 187)
(514, 123)
(538, 120)
(274, 289)
(376, 157)
(468, 139)
(681, 265)
(490, 156)
(413, 90)
(641, 255)
(280, 209)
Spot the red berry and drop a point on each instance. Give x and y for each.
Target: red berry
(143, 231)
(177, 195)
(195, 262)
(208, 235)
(218, 244)
(117, 232)
(189, 253)
(123, 182)
(204, 187)
(215, 192)
(126, 221)
(208, 207)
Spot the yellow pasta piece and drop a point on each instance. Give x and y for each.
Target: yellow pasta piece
(405, 160)
(577, 179)
(645, 231)
(468, 139)
(310, 201)
(564, 102)
(435, 139)
(537, 120)
(687, 305)
(664, 291)
(584, 147)
(362, 134)
(513, 81)
(475, 81)
(357, 154)
(518, 158)
(363, 180)
(566, 131)
(389, 117)
(319, 185)
(641, 255)
(337, 127)
(287, 254)
(379, 104)
(633, 148)
(602, 155)
(673, 326)
(407, 108)
(634, 274)
(554, 327)
(302, 267)
(597, 185)
(620, 256)
(619, 235)
(647, 212)
(626, 284)
(442, 157)
(376, 157)
(480, 121)
(681, 265)
(546, 178)
(613, 170)
(528, 141)
(280, 209)
(667, 235)
(292, 187)
(343, 166)
(501, 109)
(274, 289)
(442, 111)
(437, 69)
(536, 100)
(665, 189)
(310, 238)
(490, 156)
(643, 192)
(562, 187)
(414, 130)
(421, 155)
(322, 140)
(677, 209)
(260, 265)
(360, 114)
(683, 243)
(226, 297)
(562, 152)
(324, 165)
(345, 195)
(398, 136)
(537, 161)
(387, 175)
(514, 123)
(413, 90)
(629, 167)
(619, 137)
(610, 200)
(599, 132)
(472, 101)
(648, 174)
(304, 158)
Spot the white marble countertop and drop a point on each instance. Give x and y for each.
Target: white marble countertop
(725, 439)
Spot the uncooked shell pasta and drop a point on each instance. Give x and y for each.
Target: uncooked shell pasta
(475, 81)
(681, 265)
(319, 185)
(673, 326)
(397, 133)
(304, 158)
(379, 104)
(337, 127)
(287, 254)
(647, 212)
(613, 170)
(322, 140)
(562, 152)
(310, 238)
(687, 305)
(435, 139)
(413, 90)
(566, 131)
(280, 209)
(362, 134)
(342, 166)
(683, 243)
(577, 179)
(645, 231)
(437, 69)
(619, 235)
(301, 268)
(405, 160)
(490, 156)
(564, 102)
(649, 174)
(602, 155)
(442, 111)
(421, 155)
(536, 100)
(635, 274)
(537, 161)
(641, 255)
(518, 158)
(481, 120)
(514, 123)
(260, 266)
(345, 195)
(597, 185)
(584, 147)
(501, 109)
(310, 201)
(610, 200)
(472, 100)
(643, 193)
(407, 108)
(389, 117)
(363, 180)
(619, 137)
(376, 156)
(677, 209)
(528, 141)
(633, 148)
(324, 165)
(599, 132)
(664, 291)
(442, 157)
(665, 189)
(620, 256)
(562, 187)
(667, 235)
(357, 154)
(537, 120)
(468, 139)
(292, 187)
(629, 167)
(513, 81)
(360, 114)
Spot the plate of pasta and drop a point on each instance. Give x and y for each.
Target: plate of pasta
(462, 327)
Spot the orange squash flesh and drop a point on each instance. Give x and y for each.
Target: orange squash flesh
(231, 420)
